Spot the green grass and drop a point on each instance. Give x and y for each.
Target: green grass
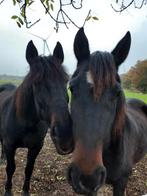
(128, 94)
(141, 96)
(16, 82)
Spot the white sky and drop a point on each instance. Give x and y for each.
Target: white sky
(103, 34)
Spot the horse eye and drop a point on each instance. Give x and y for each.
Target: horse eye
(67, 97)
(71, 89)
(118, 93)
(90, 87)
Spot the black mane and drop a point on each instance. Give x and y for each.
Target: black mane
(46, 69)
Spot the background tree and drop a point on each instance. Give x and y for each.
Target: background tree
(136, 77)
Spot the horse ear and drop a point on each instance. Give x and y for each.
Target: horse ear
(81, 46)
(58, 52)
(121, 50)
(31, 52)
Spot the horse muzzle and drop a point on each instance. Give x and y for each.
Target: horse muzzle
(86, 184)
(64, 143)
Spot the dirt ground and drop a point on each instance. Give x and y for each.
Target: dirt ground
(49, 177)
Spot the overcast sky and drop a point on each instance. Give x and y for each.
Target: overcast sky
(102, 34)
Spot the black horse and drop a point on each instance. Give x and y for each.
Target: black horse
(110, 134)
(26, 112)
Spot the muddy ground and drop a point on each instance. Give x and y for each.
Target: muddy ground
(49, 177)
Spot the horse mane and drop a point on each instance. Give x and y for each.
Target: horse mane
(47, 69)
(43, 71)
(103, 71)
(119, 121)
(104, 75)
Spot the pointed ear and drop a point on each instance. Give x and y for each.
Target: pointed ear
(81, 46)
(58, 52)
(31, 52)
(121, 50)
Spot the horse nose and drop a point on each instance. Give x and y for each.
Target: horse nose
(84, 184)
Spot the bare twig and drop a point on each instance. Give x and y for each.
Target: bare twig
(124, 7)
(64, 15)
(64, 19)
(56, 20)
(70, 19)
(87, 17)
(1, 2)
(47, 11)
(144, 2)
(28, 24)
(61, 17)
(81, 4)
(65, 4)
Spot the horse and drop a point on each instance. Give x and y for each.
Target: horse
(26, 112)
(110, 132)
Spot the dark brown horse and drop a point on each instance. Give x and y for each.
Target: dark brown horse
(110, 133)
(26, 112)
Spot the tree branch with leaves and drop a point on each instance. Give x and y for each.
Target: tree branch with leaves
(61, 16)
(123, 5)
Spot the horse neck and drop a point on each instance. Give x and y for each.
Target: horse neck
(24, 103)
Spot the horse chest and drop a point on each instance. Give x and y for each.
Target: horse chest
(115, 168)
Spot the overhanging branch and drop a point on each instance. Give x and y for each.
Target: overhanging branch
(1, 2)
(123, 6)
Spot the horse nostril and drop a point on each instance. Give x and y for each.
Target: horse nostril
(102, 176)
(94, 181)
(55, 131)
(73, 172)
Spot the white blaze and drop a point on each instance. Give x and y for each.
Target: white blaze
(89, 78)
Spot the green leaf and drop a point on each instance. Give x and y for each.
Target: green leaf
(95, 18)
(52, 7)
(20, 20)
(31, 3)
(22, 12)
(27, 2)
(52, 1)
(14, 17)
(47, 4)
(88, 18)
(19, 25)
(14, 2)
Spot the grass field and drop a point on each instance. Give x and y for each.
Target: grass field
(10, 79)
(128, 93)
(141, 96)
(16, 82)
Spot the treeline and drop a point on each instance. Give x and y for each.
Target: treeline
(136, 77)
